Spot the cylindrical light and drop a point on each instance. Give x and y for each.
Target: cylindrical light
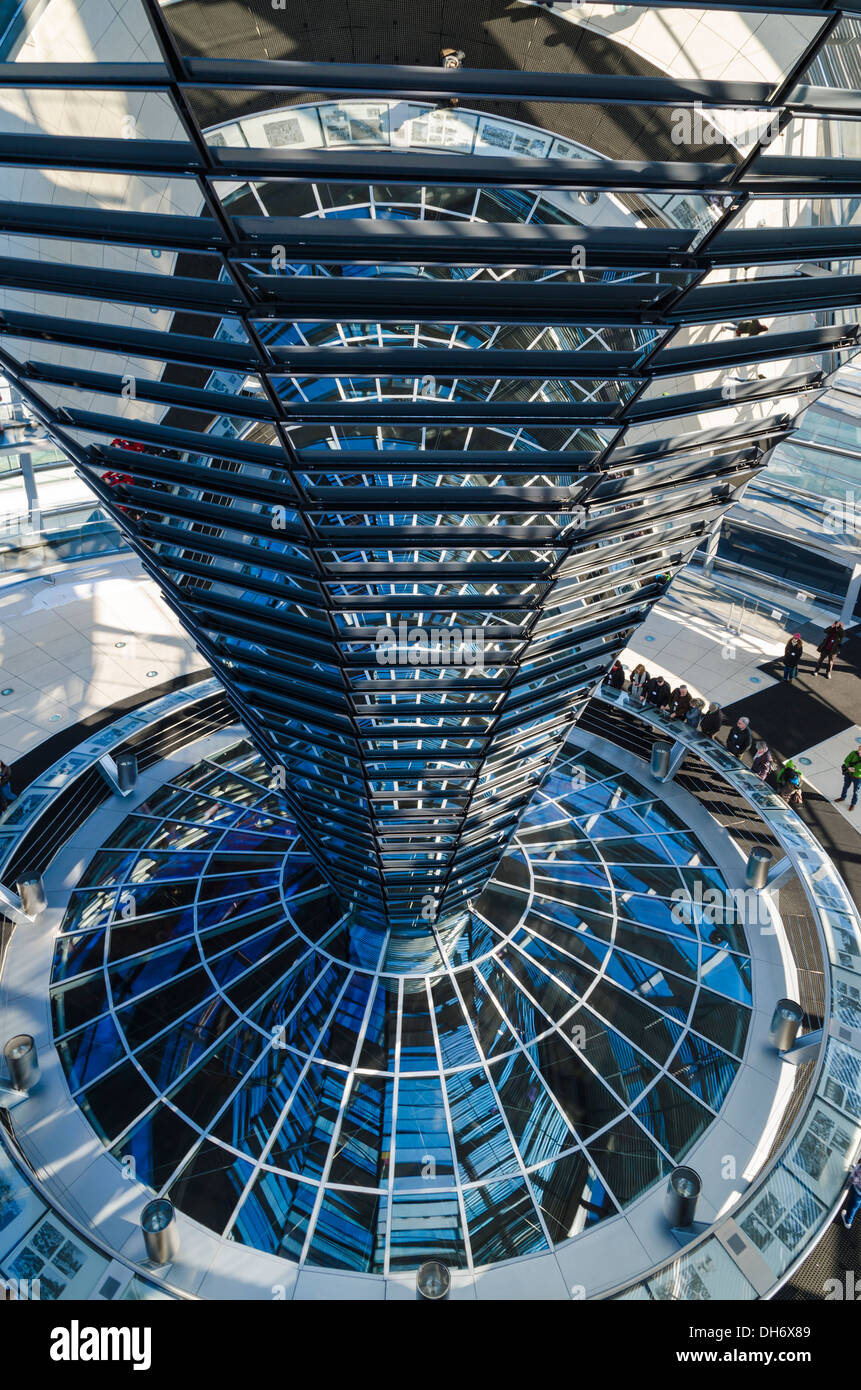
(433, 1281)
(683, 1190)
(22, 1062)
(757, 867)
(127, 771)
(661, 752)
(785, 1023)
(161, 1237)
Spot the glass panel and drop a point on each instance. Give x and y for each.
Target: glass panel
(503, 1222)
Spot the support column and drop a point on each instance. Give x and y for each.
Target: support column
(29, 479)
(712, 546)
(851, 596)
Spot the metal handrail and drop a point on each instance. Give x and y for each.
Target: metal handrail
(807, 859)
(19, 1158)
(718, 582)
(60, 783)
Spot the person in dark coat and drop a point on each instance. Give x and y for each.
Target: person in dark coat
(738, 740)
(853, 1200)
(658, 692)
(680, 702)
(7, 795)
(828, 649)
(750, 328)
(615, 677)
(711, 721)
(792, 653)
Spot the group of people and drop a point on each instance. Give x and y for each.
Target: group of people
(680, 704)
(828, 649)
(657, 692)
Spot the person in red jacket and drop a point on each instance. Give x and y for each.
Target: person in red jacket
(615, 677)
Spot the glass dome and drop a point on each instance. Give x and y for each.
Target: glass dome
(338, 1094)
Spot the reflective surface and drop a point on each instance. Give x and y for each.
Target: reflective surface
(344, 339)
(335, 1093)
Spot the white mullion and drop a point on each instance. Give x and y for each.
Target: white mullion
(352, 1080)
(461, 1206)
(390, 1189)
(518, 1157)
(257, 1165)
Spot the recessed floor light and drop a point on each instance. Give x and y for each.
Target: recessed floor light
(152, 673)
(54, 717)
(119, 644)
(8, 691)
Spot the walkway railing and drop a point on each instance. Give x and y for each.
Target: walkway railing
(63, 534)
(755, 1246)
(31, 832)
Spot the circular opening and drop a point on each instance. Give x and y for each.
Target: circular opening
(433, 1280)
(18, 1047)
(157, 1215)
(686, 1182)
(787, 1008)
